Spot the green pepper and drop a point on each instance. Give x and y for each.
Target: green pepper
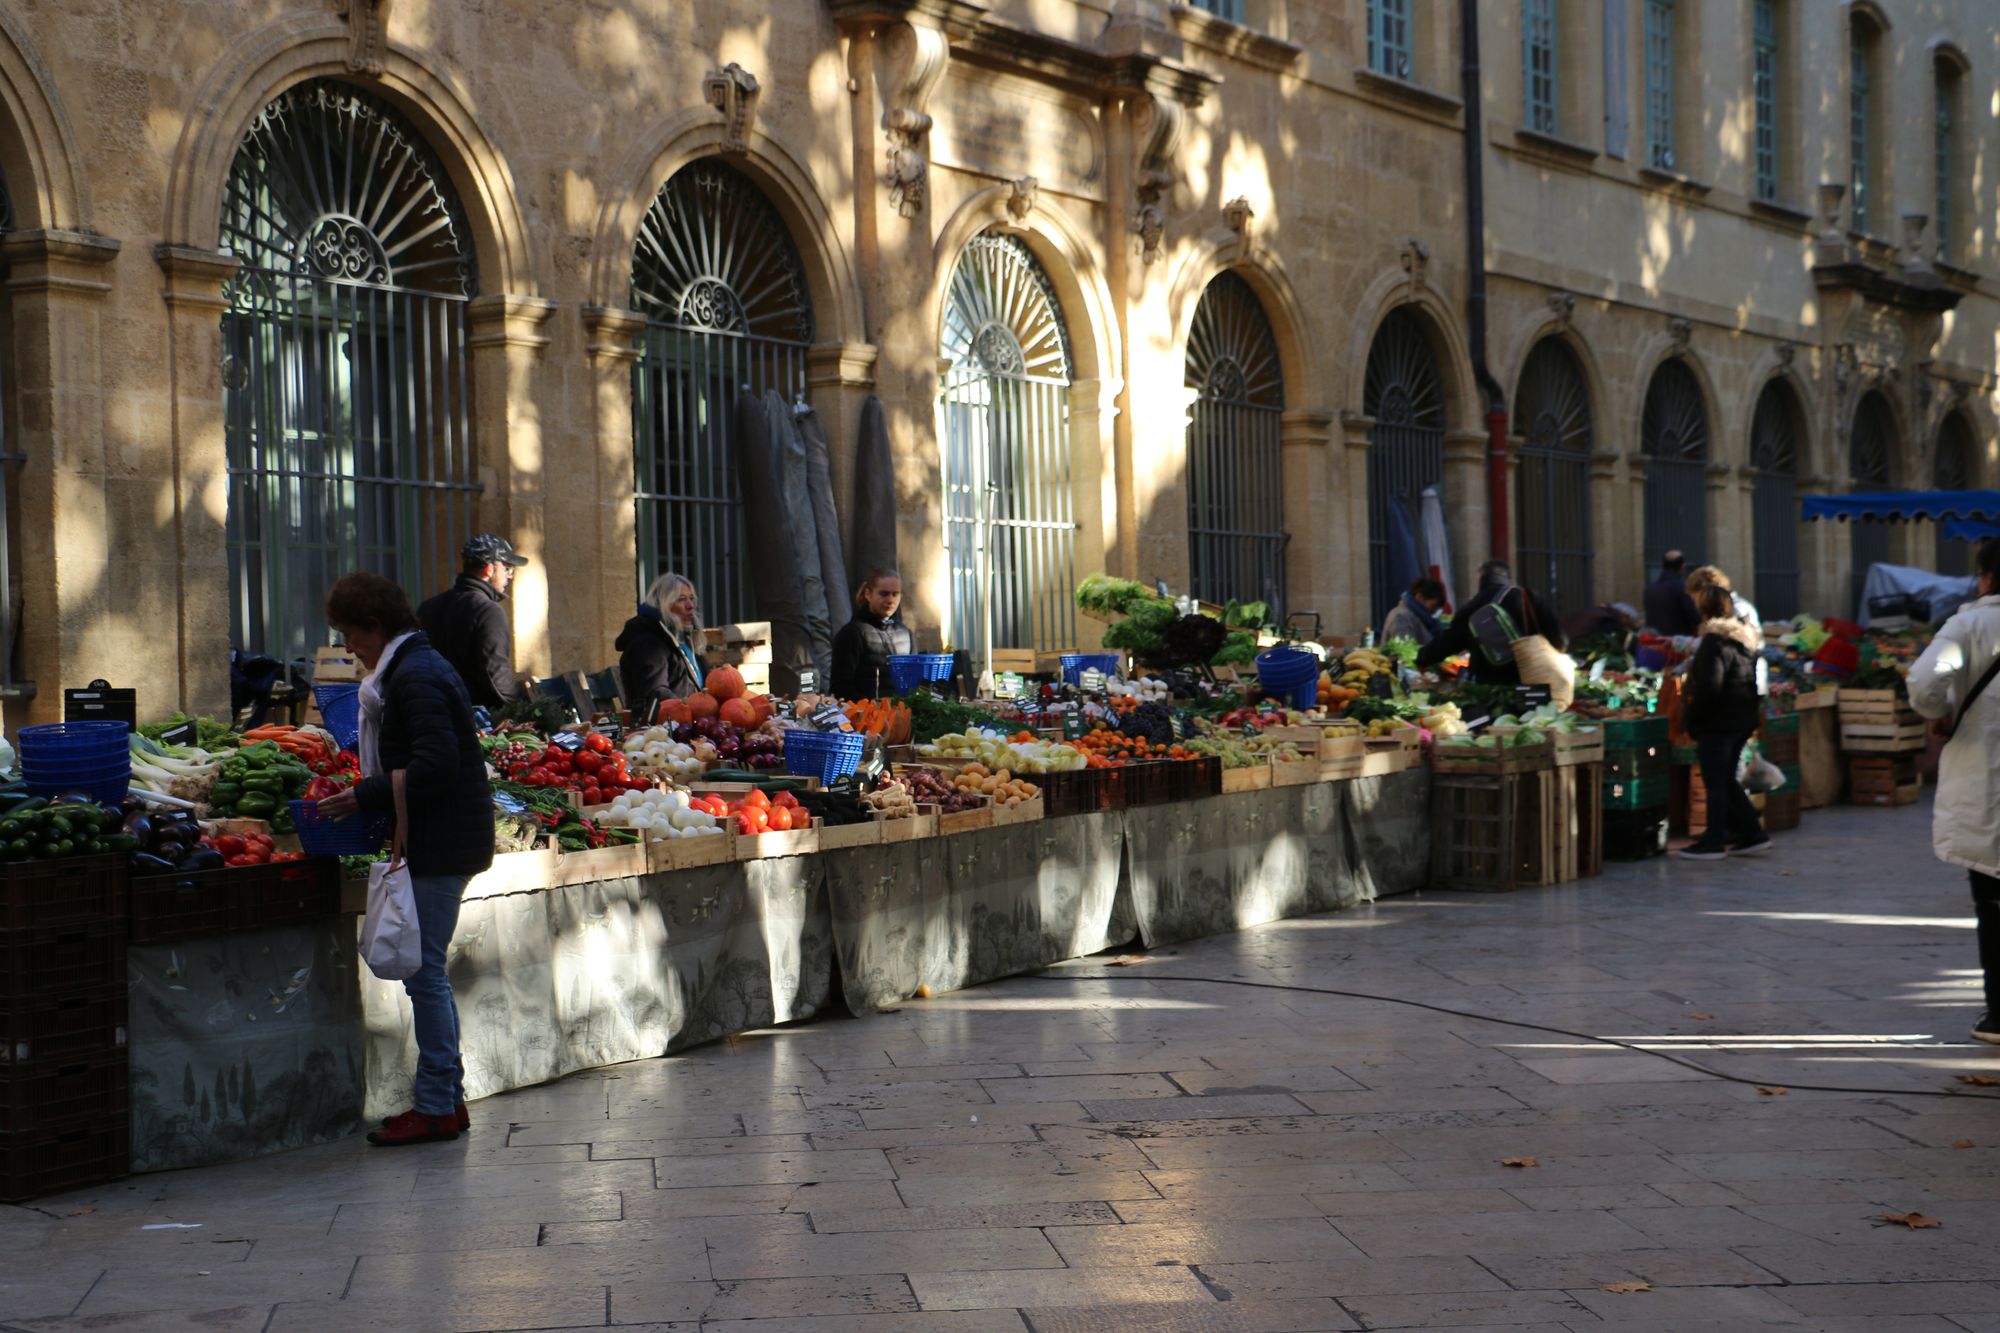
(256, 805)
(225, 793)
(264, 784)
(281, 820)
(572, 842)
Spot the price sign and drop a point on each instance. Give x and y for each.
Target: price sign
(1179, 726)
(1533, 696)
(808, 681)
(1072, 726)
(567, 740)
(1381, 687)
(1010, 685)
(610, 728)
(184, 734)
(1091, 681)
(1479, 723)
(829, 717)
(1251, 729)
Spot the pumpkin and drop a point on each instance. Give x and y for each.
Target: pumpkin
(739, 712)
(701, 704)
(761, 704)
(725, 683)
(675, 710)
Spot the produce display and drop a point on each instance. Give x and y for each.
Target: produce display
(654, 753)
(659, 815)
(248, 849)
(260, 781)
(929, 786)
(1018, 755)
(596, 771)
(754, 812)
(160, 841)
(1003, 787)
(715, 741)
(891, 800)
(35, 829)
(184, 772)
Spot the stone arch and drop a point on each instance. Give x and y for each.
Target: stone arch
(687, 137)
(1904, 450)
(1528, 336)
(1392, 290)
(1660, 350)
(38, 153)
(291, 51)
(1774, 366)
(1222, 251)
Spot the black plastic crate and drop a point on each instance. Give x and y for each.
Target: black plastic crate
(1198, 777)
(62, 960)
(1079, 791)
(48, 1095)
(1634, 835)
(193, 904)
(1636, 765)
(294, 891)
(41, 1030)
(76, 890)
(1146, 782)
(72, 1157)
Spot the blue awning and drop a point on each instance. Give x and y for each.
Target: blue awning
(1971, 529)
(1904, 506)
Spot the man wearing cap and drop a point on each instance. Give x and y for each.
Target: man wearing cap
(468, 626)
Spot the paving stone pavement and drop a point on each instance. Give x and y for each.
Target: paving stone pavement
(1100, 1154)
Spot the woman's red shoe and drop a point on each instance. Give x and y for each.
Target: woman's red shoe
(415, 1127)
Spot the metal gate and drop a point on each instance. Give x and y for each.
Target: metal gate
(10, 460)
(1871, 447)
(1953, 472)
(1774, 503)
(1552, 554)
(1673, 435)
(344, 364)
(1236, 492)
(1405, 445)
(727, 310)
(1009, 525)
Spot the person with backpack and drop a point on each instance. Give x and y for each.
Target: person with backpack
(1950, 684)
(1720, 710)
(1500, 612)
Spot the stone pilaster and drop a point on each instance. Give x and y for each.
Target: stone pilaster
(1315, 547)
(612, 348)
(506, 344)
(1347, 612)
(1616, 569)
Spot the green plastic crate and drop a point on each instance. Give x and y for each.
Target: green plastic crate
(1784, 725)
(1686, 754)
(1635, 794)
(1627, 765)
(1634, 733)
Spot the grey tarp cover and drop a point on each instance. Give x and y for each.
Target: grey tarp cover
(795, 493)
(871, 526)
(826, 526)
(774, 576)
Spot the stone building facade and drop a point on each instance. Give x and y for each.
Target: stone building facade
(299, 285)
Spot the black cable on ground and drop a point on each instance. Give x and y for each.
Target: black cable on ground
(1668, 1056)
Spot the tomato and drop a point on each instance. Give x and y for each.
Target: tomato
(229, 845)
(593, 796)
(588, 762)
(755, 799)
(598, 742)
(260, 839)
(786, 799)
(781, 819)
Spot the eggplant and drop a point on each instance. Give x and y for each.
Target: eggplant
(202, 858)
(145, 863)
(140, 825)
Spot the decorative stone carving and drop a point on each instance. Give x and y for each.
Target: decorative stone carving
(1562, 305)
(1416, 257)
(913, 60)
(1787, 353)
(1846, 362)
(733, 91)
(1157, 123)
(1022, 198)
(1682, 332)
(1237, 215)
(1832, 232)
(367, 22)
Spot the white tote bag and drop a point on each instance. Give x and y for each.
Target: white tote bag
(390, 942)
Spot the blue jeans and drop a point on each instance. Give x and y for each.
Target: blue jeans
(440, 1082)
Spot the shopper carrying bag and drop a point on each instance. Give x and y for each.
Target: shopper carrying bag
(391, 942)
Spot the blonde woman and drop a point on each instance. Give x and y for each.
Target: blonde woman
(659, 650)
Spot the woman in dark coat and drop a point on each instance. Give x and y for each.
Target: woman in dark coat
(1721, 712)
(659, 650)
(420, 763)
(862, 649)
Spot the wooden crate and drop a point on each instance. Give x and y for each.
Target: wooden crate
(1883, 780)
(690, 853)
(1578, 747)
(1498, 761)
(792, 842)
(1334, 748)
(1491, 834)
(1574, 812)
(1021, 812)
(838, 837)
(1883, 738)
(1782, 811)
(1257, 777)
(968, 821)
(1294, 772)
(923, 824)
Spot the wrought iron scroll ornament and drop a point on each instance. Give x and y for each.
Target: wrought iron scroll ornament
(367, 22)
(713, 255)
(914, 59)
(1158, 121)
(733, 91)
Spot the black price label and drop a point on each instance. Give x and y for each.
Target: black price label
(809, 681)
(1381, 687)
(1476, 723)
(1072, 726)
(1251, 729)
(611, 730)
(567, 740)
(829, 717)
(184, 734)
(1534, 696)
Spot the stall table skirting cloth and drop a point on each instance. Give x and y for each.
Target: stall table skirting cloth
(252, 1043)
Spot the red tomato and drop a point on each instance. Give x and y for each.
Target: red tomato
(588, 762)
(781, 819)
(593, 796)
(785, 799)
(598, 742)
(229, 845)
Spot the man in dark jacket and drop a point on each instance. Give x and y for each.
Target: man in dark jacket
(1669, 608)
(1721, 711)
(467, 624)
(1530, 614)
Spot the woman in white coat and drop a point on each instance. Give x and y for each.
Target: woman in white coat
(1952, 683)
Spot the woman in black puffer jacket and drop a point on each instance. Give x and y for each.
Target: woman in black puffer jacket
(421, 764)
(1721, 712)
(862, 649)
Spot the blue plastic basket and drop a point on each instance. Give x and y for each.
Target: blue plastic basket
(109, 787)
(362, 835)
(1302, 697)
(826, 755)
(340, 710)
(75, 740)
(1075, 664)
(1282, 668)
(909, 670)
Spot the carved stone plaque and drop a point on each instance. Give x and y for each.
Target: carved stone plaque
(1009, 128)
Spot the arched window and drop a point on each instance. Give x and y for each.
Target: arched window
(1953, 470)
(1236, 499)
(1552, 489)
(344, 363)
(1864, 112)
(716, 275)
(1947, 165)
(1405, 396)
(1009, 512)
(1673, 435)
(1774, 506)
(1871, 465)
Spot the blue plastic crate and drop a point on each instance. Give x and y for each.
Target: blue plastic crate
(1075, 664)
(1280, 669)
(75, 740)
(826, 755)
(361, 835)
(340, 711)
(909, 670)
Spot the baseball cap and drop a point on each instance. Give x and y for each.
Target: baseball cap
(488, 549)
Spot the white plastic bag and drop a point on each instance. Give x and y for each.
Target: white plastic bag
(391, 944)
(1755, 773)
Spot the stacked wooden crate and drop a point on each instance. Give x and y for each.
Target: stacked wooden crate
(1881, 735)
(747, 647)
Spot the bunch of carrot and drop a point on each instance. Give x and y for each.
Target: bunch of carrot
(306, 744)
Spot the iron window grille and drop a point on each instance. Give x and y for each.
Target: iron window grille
(345, 371)
(1858, 112)
(1660, 84)
(1944, 146)
(1538, 64)
(1764, 95)
(1774, 464)
(1389, 37)
(728, 312)
(1871, 451)
(1404, 394)
(1673, 436)
(1552, 490)
(1235, 479)
(1003, 409)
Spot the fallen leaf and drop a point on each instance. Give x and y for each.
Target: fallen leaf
(1128, 959)
(1519, 1161)
(81, 1211)
(1914, 1221)
(1963, 1144)
(1980, 1080)
(1621, 1288)
(1788, 872)
(1702, 1018)
(1772, 1092)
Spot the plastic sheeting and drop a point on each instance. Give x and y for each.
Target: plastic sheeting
(826, 529)
(871, 531)
(795, 494)
(774, 575)
(1945, 593)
